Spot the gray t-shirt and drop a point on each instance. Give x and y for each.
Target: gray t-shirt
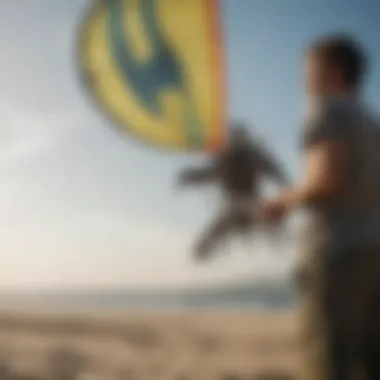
(353, 219)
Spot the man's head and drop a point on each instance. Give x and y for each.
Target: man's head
(335, 65)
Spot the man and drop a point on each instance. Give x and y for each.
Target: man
(340, 267)
(237, 170)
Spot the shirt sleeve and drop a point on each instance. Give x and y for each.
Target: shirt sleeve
(329, 123)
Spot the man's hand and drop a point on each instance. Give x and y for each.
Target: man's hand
(325, 171)
(274, 210)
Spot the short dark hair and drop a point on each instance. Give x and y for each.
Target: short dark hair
(347, 54)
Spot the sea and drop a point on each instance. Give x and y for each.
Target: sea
(262, 295)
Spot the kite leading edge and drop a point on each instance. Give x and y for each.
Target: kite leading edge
(157, 68)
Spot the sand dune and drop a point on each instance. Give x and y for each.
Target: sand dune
(147, 346)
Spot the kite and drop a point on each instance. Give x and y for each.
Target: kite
(156, 67)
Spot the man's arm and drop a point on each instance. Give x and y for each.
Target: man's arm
(325, 160)
(324, 177)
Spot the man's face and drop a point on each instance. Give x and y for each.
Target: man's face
(314, 74)
(320, 77)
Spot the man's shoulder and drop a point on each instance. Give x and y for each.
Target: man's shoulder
(329, 119)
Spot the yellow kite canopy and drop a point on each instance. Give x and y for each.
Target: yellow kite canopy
(156, 67)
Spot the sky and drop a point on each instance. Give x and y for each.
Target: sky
(82, 207)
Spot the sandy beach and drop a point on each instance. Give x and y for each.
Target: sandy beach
(189, 345)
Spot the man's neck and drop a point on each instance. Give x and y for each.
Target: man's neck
(334, 96)
(340, 93)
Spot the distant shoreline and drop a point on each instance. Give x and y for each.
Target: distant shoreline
(265, 296)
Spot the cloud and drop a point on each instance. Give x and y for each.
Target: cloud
(94, 250)
(25, 134)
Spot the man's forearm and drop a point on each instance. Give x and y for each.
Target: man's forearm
(305, 195)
